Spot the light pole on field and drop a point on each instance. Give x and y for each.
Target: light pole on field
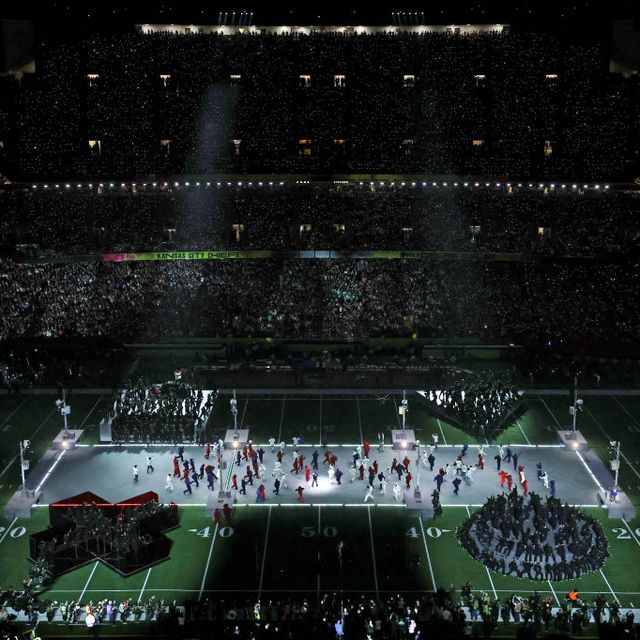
(24, 464)
(65, 410)
(575, 407)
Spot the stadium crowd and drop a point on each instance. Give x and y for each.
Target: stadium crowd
(134, 104)
(329, 298)
(301, 217)
(335, 615)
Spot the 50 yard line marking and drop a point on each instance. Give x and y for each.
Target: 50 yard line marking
(359, 418)
(493, 587)
(320, 424)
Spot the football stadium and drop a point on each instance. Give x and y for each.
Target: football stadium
(319, 322)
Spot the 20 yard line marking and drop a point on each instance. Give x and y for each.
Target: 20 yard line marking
(426, 550)
(95, 566)
(525, 437)
(615, 597)
(264, 553)
(144, 585)
(493, 587)
(597, 422)
(633, 535)
(373, 554)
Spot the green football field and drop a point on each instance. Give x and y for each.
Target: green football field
(268, 550)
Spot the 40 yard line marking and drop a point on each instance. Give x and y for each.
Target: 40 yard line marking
(493, 586)
(426, 550)
(246, 402)
(213, 540)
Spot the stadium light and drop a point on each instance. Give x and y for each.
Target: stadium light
(260, 184)
(123, 185)
(597, 186)
(466, 184)
(67, 186)
(208, 184)
(35, 186)
(530, 185)
(281, 183)
(487, 184)
(413, 184)
(434, 184)
(497, 184)
(574, 186)
(540, 185)
(586, 186)
(552, 185)
(239, 184)
(90, 185)
(46, 186)
(477, 184)
(154, 184)
(444, 184)
(271, 183)
(564, 186)
(197, 184)
(606, 186)
(228, 184)
(519, 184)
(186, 184)
(57, 186)
(424, 184)
(455, 184)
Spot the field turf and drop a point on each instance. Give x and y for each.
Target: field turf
(271, 551)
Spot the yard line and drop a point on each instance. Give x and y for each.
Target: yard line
(373, 554)
(546, 406)
(95, 566)
(4, 535)
(144, 584)
(264, 553)
(90, 412)
(6, 420)
(626, 411)
(441, 431)
(554, 592)
(493, 587)
(213, 539)
(320, 424)
(246, 402)
(633, 535)
(615, 597)
(8, 465)
(281, 419)
(319, 562)
(609, 438)
(426, 550)
(522, 430)
(359, 418)
(397, 414)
